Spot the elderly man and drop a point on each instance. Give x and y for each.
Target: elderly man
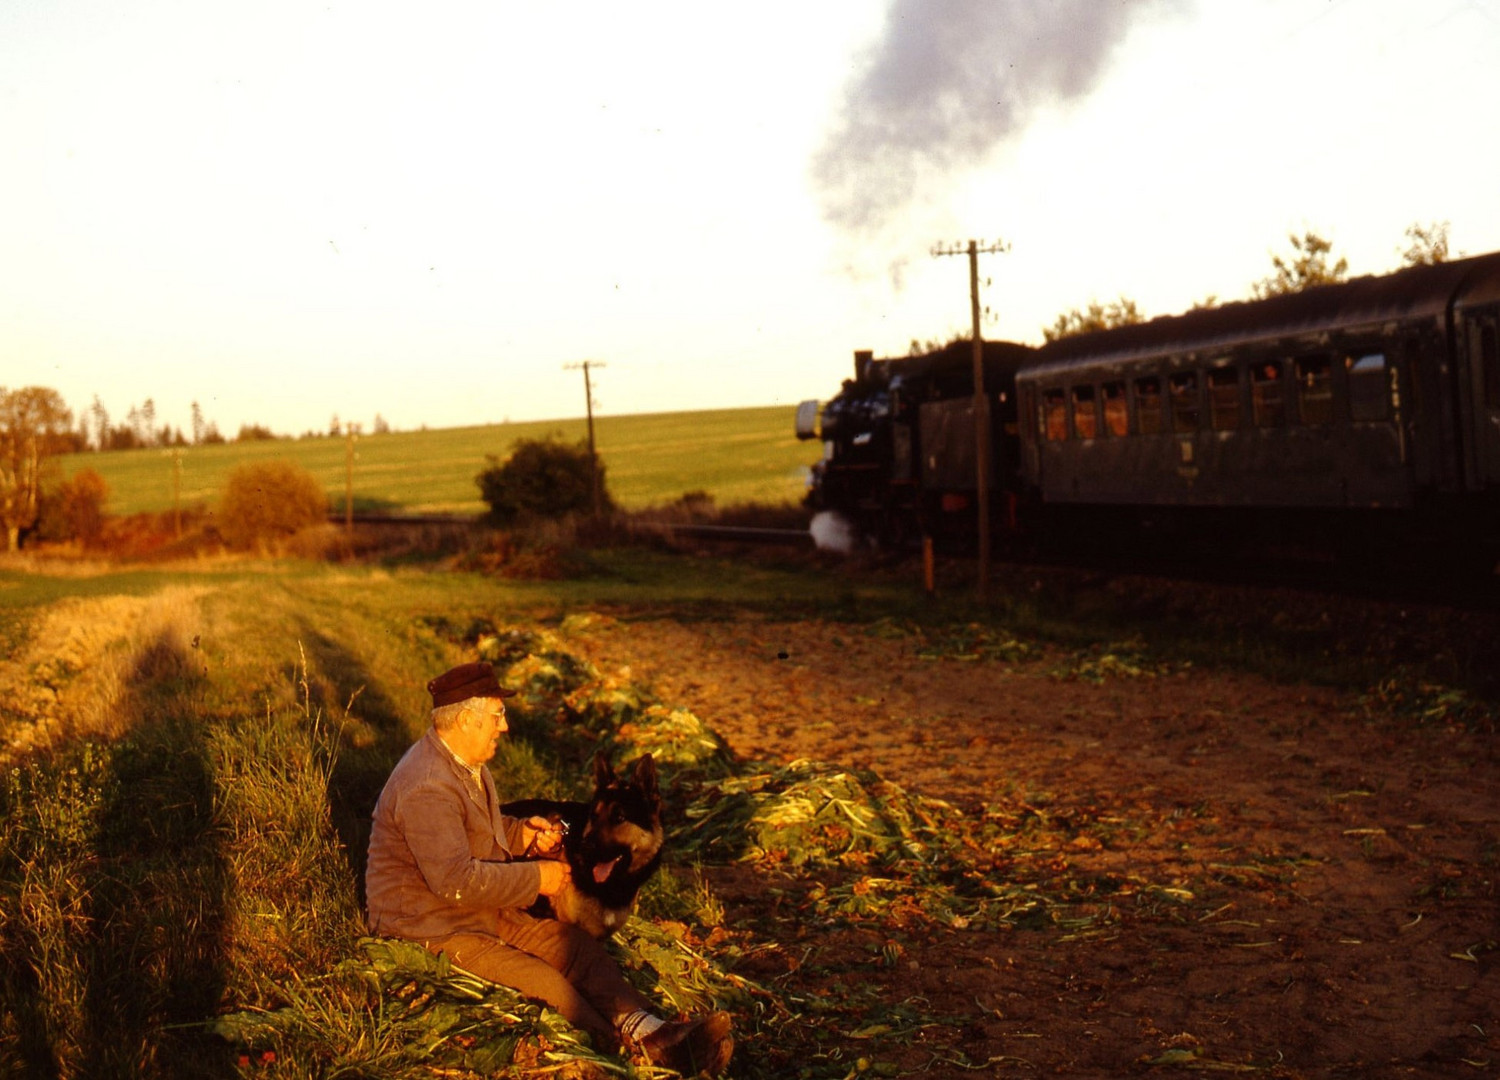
(443, 872)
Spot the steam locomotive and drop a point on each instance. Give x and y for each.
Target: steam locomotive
(1362, 416)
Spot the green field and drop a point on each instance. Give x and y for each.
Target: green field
(736, 455)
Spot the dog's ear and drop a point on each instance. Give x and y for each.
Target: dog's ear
(604, 773)
(645, 773)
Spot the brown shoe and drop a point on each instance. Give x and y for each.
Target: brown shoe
(692, 1047)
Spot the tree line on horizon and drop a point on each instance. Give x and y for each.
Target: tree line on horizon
(1310, 263)
(37, 426)
(138, 431)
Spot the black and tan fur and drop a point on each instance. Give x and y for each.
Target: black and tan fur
(613, 845)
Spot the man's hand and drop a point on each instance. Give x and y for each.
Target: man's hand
(542, 837)
(554, 876)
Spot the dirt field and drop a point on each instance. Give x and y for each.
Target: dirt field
(1334, 874)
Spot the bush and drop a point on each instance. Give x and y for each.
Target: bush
(75, 511)
(269, 501)
(542, 478)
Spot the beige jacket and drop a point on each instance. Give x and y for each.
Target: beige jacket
(440, 850)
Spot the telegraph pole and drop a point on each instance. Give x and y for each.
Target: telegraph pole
(177, 491)
(588, 396)
(981, 402)
(351, 435)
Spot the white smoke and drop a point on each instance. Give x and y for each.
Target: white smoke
(948, 82)
(831, 531)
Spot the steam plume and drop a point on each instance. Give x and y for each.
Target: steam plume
(831, 531)
(949, 81)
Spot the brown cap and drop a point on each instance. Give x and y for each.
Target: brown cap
(464, 682)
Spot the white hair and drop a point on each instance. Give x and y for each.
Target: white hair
(445, 717)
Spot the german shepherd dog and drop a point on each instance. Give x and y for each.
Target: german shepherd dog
(612, 842)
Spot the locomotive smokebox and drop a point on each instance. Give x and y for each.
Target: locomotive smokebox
(863, 358)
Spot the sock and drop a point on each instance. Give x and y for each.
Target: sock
(639, 1024)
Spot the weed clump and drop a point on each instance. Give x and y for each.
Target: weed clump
(75, 511)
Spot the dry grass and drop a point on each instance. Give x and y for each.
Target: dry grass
(69, 680)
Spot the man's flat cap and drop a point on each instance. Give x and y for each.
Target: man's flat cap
(464, 682)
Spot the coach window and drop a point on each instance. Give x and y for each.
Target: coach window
(1267, 398)
(1368, 397)
(1224, 398)
(1489, 357)
(1116, 416)
(1314, 390)
(1055, 415)
(1183, 388)
(1149, 418)
(1085, 418)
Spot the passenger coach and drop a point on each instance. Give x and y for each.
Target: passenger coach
(1382, 393)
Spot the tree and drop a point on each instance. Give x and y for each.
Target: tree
(1121, 312)
(255, 433)
(268, 501)
(101, 423)
(1426, 245)
(544, 478)
(35, 425)
(148, 423)
(1308, 267)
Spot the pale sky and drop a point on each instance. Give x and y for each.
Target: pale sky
(287, 211)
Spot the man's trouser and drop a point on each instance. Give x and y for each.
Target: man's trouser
(552, 962)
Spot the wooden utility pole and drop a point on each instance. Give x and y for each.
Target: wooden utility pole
(351, 434)
(588, 397)
(981, 401)
(177, 492)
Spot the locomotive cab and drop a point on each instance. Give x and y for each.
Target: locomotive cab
(899, 442)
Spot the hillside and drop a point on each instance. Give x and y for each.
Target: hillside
(736, 455)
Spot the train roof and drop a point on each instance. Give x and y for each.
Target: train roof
(1418, 292)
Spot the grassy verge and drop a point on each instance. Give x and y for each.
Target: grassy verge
(182, 825)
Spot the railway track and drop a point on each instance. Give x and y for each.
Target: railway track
(1316, 571)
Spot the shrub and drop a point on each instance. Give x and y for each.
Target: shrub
(542, 478)
(75, 511)
(269, 501)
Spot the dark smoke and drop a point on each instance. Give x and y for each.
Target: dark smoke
(950, 80)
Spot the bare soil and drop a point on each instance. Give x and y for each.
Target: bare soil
(1336, 866)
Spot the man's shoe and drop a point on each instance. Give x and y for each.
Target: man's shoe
(692, 1046)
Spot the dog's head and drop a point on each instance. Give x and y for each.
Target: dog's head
(624, 819)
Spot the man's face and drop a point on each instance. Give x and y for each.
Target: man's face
(482, 724)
